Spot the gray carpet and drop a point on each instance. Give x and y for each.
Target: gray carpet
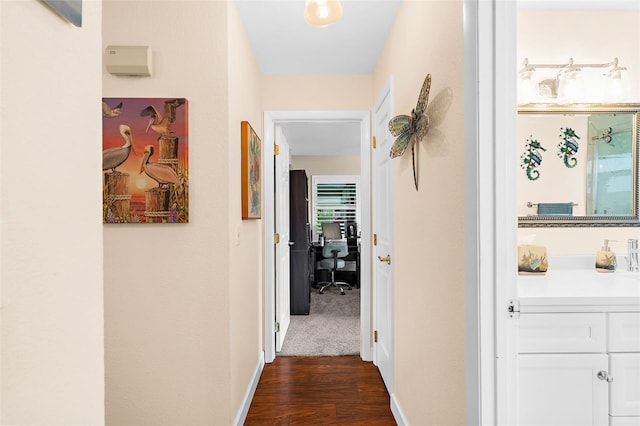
(332, 327)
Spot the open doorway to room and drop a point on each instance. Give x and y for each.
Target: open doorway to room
(324, 216)
(327, 182)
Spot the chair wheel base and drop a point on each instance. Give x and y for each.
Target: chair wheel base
(339, 285)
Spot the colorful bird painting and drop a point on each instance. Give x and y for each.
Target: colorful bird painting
(410, 129)
(113, 157)
(109, 112)
(161, 173)
(162, 123)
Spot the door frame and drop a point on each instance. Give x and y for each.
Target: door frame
(282, 317)
(271, 118)
(490, 35)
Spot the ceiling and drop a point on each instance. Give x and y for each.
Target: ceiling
(283, 43)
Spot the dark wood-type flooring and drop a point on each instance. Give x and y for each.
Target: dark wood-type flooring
(320, 391)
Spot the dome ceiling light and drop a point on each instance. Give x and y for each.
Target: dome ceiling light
(322, 13)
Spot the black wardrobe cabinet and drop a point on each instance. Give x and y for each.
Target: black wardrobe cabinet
(300, 242)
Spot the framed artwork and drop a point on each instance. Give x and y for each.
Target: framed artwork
(251, 172)
(145, 160)
(71, 10)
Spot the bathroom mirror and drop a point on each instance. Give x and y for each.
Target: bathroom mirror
(577, 165)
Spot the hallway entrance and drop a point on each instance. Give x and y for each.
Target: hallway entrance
(274, 287)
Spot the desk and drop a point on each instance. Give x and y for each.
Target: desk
(350, 273)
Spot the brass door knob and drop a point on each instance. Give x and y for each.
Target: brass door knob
(387, 259)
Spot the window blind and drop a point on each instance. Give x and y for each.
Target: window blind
(335, 199)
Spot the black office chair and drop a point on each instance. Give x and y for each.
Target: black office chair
(333, 251)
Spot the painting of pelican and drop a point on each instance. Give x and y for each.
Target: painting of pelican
(161, 173)
(162, 123)
(113, 157)
(156, 188)
(109, 112)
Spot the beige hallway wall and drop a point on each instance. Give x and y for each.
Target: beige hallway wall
(428, 224)
(52, 352)
(316, 92)
(183, 301)
(327, 164)
(245, 236)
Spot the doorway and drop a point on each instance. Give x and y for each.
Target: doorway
(271, 120)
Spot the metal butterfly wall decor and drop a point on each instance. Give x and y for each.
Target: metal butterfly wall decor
(410, 129)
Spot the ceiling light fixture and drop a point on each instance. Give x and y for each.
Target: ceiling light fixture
(322, 13)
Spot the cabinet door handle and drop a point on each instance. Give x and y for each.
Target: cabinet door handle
(387, 259)
(603, 375)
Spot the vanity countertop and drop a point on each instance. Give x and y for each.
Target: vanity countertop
(570, 285)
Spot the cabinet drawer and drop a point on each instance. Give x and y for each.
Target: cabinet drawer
(625, 389)
(624, 332)
(562, 333)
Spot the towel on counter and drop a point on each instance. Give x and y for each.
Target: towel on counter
(555, 209)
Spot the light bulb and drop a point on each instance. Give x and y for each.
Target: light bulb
(617, 87)
(322, 13)
(570, 87)
(526, 91)
(323, 10)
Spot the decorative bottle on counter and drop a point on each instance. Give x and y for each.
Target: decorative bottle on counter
(606, 259)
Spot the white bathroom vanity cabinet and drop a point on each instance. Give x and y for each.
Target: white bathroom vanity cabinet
(579, 349)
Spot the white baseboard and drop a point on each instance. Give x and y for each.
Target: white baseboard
(397, 412)
(241, 416)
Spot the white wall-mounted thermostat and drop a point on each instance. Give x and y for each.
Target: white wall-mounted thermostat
(128, 60)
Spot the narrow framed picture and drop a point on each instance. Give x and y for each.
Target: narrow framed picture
(251, 157)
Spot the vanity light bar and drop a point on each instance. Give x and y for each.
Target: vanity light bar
(570, 66)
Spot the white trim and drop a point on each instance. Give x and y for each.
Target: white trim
(271, 118)
(365, 237)
(504, 179)
(496, 226)
(476, 412)
(269, 273)
(489, 390)
(243, 410)
(398, 415)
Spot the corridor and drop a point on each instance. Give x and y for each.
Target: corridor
(320, 391)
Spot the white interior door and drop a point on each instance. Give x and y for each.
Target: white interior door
(383, 242)
(282, 258)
